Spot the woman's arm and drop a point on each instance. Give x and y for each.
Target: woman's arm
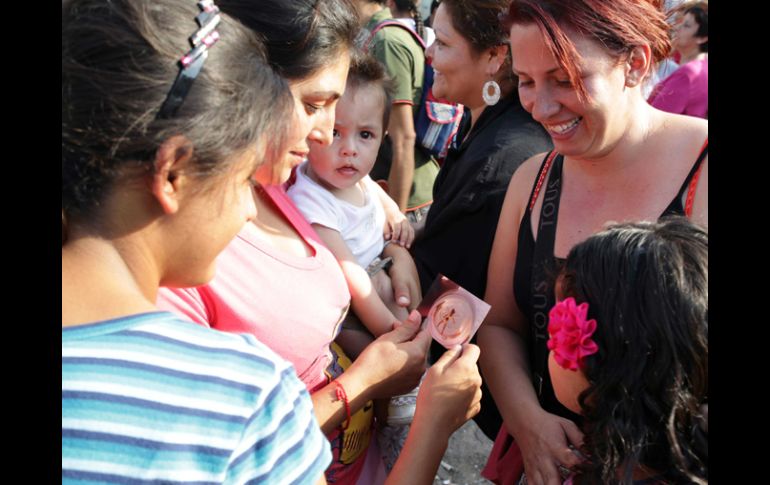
(543, 437)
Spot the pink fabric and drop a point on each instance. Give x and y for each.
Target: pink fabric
(373, 472)
(505, 464)
(292, 304)
(685, 91)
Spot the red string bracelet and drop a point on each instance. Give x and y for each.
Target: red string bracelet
(342, 396)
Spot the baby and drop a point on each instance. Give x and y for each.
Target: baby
(348, 209)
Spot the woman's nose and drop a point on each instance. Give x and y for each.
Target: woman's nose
(323, 126)
(544, 106)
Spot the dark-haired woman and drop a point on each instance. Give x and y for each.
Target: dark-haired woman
(276, 280)
(580, 65)
(471, 60)
(686, 90)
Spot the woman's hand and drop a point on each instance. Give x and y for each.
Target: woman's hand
(545, 446)
(450, 394)
(403, 277)
(394, 363)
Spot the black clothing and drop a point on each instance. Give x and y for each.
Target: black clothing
(468, 195)
(536, 270)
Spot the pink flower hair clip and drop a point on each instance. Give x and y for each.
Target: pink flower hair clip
(571, 332)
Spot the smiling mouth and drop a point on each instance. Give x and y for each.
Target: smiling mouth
(563, 128)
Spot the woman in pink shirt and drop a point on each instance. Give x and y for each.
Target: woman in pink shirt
(276, 280)
(686, 90)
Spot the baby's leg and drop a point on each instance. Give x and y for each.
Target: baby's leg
(384, 288)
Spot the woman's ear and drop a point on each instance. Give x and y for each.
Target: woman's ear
(497, 56)
(171, 158)
(638, 65)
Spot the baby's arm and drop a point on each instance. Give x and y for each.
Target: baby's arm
(397, 226)
(365, 300)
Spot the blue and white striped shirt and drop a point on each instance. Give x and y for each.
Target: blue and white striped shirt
(153, 398)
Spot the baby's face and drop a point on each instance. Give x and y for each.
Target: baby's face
(358, 132)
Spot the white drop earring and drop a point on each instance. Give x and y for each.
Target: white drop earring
(491, 99)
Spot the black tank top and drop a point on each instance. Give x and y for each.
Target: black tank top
(537, 267)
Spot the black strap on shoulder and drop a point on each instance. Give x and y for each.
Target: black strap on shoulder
(542, 273)
(541, 173)
(677, 206)
(545, 268)
(694, 169)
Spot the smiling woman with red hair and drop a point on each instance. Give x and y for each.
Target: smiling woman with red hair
(580, 65)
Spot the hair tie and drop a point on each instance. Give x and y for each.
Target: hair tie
(191, 63)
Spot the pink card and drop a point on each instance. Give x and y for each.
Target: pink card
(452, 313)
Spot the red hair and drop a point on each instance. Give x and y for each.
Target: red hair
(618, 25)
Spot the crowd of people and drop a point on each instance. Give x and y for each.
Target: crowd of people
(239, 294)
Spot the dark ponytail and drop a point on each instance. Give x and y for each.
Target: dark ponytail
(411, 7)
(418, 23)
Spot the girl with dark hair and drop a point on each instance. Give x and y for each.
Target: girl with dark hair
(146, 396)
(686, 90)
(580, 66)
(277, 280)
(629, 352)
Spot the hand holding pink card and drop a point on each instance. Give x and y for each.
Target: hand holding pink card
(452, 313)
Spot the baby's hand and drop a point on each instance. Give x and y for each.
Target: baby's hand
(400, 231)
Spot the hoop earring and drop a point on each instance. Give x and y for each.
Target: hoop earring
(491, 99)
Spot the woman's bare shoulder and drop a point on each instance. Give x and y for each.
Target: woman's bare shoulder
(687, 129)
(525, 175)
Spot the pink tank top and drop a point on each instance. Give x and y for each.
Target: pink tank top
(294, 305)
